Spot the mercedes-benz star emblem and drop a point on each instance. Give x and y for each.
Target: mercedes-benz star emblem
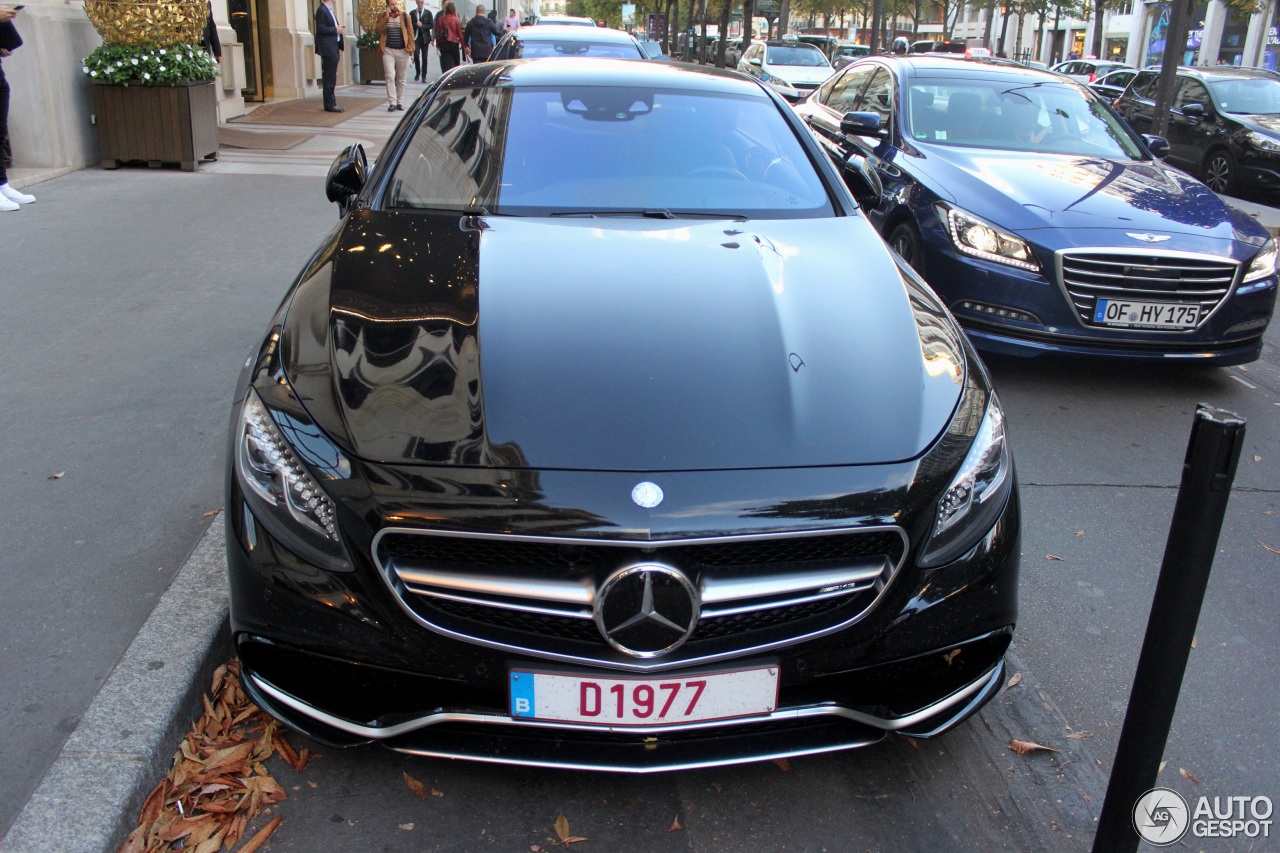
(1148, 238)
(647, 495)
(647, 611)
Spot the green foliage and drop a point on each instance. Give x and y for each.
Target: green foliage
(608, 10)
(149, 65)
(368, 40)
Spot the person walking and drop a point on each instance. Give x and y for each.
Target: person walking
(10, 198)
(480, 36)
(423, 26)
(512, 22)
(449, 37)
(330, 43)
(395, 35)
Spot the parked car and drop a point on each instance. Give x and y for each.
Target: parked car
(653, 50)
(1112, 84)
(1224, 123)
(735, 499)
(566, 21)
(531, 42)
(793, 69)
(1088, 70)
(847, 52)
(1043, 222)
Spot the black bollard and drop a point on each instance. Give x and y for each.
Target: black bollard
(1207, 475)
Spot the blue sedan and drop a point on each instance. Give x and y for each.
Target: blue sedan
(1044, 223)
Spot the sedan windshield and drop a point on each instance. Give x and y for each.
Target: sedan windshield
(597, 150)
(530, 48)
(1016, 116)
(806, 56)
(1248, 97)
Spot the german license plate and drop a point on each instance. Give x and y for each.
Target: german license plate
(643, 701)
(1145, 315)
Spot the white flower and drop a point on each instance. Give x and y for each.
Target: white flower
(85, 69)
(161, 67)
(93, 73)
(134, 60)
(146, 76)
(162, 51)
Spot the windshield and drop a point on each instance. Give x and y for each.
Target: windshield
(1017, 116)
(1247, 97)
(806, 56)
(530, 48)
(598, 150)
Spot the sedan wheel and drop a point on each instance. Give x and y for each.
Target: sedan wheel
(1219, 171)
(905, 240)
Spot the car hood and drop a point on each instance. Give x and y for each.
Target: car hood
(1267, 123)
(619, 344)
(800, 73)
(1023, 191)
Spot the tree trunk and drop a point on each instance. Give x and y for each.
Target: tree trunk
(1175, 44)
(725, 9)
(784, 17)
(1097, 27)
(748, 9)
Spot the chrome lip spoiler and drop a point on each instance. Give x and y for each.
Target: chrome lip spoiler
(964, 700)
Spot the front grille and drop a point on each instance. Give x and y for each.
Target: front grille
(1197, 280)
(538, 595)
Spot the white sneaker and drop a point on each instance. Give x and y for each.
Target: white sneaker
(5, 204)
(13, 195)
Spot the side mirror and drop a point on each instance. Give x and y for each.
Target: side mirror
(863, 181)
(1193, 110)
(346, 177)
(1157, 145)
(755, 60)
(860, 124)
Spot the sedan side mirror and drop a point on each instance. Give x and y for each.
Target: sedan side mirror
(1157, 145)
(860, 124)
(1193, 110)
(755, 60)
(346, 177)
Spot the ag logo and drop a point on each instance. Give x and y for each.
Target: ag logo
(1161, 817)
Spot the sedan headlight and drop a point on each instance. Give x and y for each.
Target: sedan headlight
(1263, 263)
(289, 501)
(980, 239)
(1263, 142)
(976, 496)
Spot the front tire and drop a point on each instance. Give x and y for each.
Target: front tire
(1219, 171)
(905, 240)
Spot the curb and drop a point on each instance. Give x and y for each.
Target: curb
(90, 797)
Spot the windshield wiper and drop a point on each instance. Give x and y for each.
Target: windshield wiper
(650, 213)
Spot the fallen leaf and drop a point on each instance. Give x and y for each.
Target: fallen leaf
(1079, 532)
(211, 512)
(418, 789)
(435, 792)
(58, 476)
(261, 837)
(912, 741)
(675, 825)
(562, 830)
(533, 848)
(1257, 458)
(1022, 747)
(783, 764)
(1242, 368)
(312, 784)
(1080, 735)
(406, 826)
(1194, 641)
(1187, 774)
(1268, 547)
(1088, 799)
(1053, 557)
(1269, 512)
(1015, 681)
(950, 656)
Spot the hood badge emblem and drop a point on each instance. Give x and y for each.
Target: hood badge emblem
(647, 495)
(1148, 238)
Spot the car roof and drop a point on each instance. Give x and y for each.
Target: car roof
(572, 32)
(598, 71)
(571, 20)
(787, 43)
(951, 64)
(1224, 72)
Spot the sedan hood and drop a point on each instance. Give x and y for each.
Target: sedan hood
(620, 344)
(1026, 191)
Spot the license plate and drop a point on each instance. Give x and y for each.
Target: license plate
(643, 701)
(1146, 315)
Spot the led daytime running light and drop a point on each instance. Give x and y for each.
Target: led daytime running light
(1263, 264)
(983, 471)
(975, 237)
(275, 474)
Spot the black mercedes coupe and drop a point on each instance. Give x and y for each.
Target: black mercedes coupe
(604, 432)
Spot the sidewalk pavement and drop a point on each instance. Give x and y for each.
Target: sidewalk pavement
(144, 708)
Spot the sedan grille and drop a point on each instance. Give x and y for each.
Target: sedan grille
(538, 595)
(1198, 280)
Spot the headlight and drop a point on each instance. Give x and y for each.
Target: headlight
(1264, 142)
(289, 501)
(983, 240)
(1263, 263)
(976, 496)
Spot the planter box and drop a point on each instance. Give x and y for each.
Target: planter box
(158, 124)
(371, 65)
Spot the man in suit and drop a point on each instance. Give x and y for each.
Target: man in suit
(329, 44)
(423, 31)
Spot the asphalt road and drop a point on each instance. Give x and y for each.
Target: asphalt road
(132, 298)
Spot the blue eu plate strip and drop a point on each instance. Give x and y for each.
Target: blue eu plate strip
(522, 700)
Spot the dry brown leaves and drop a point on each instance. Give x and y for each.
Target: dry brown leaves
(1022, 747)
(218, 783)
(562, 832)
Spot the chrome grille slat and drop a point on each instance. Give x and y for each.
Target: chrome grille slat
(1171, 277)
